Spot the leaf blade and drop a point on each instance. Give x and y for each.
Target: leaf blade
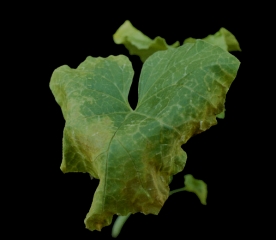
(199, 81)
(135, 153)
(196, 186)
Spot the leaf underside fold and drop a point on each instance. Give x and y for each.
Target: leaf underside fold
(222, 38)
(138, 43)
(134, 153)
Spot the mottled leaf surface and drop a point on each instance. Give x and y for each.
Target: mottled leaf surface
(224, 39)
(138, 43)
(196, 186)
(134, 153)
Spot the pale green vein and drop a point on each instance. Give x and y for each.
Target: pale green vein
(106, 168)
(160, 121)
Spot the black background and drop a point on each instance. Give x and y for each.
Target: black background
(67, 35)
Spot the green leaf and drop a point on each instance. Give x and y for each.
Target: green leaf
(222, 114)
(139, 44)
(223, 38)
(170, 179)
(134, 153)
(196, 186)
